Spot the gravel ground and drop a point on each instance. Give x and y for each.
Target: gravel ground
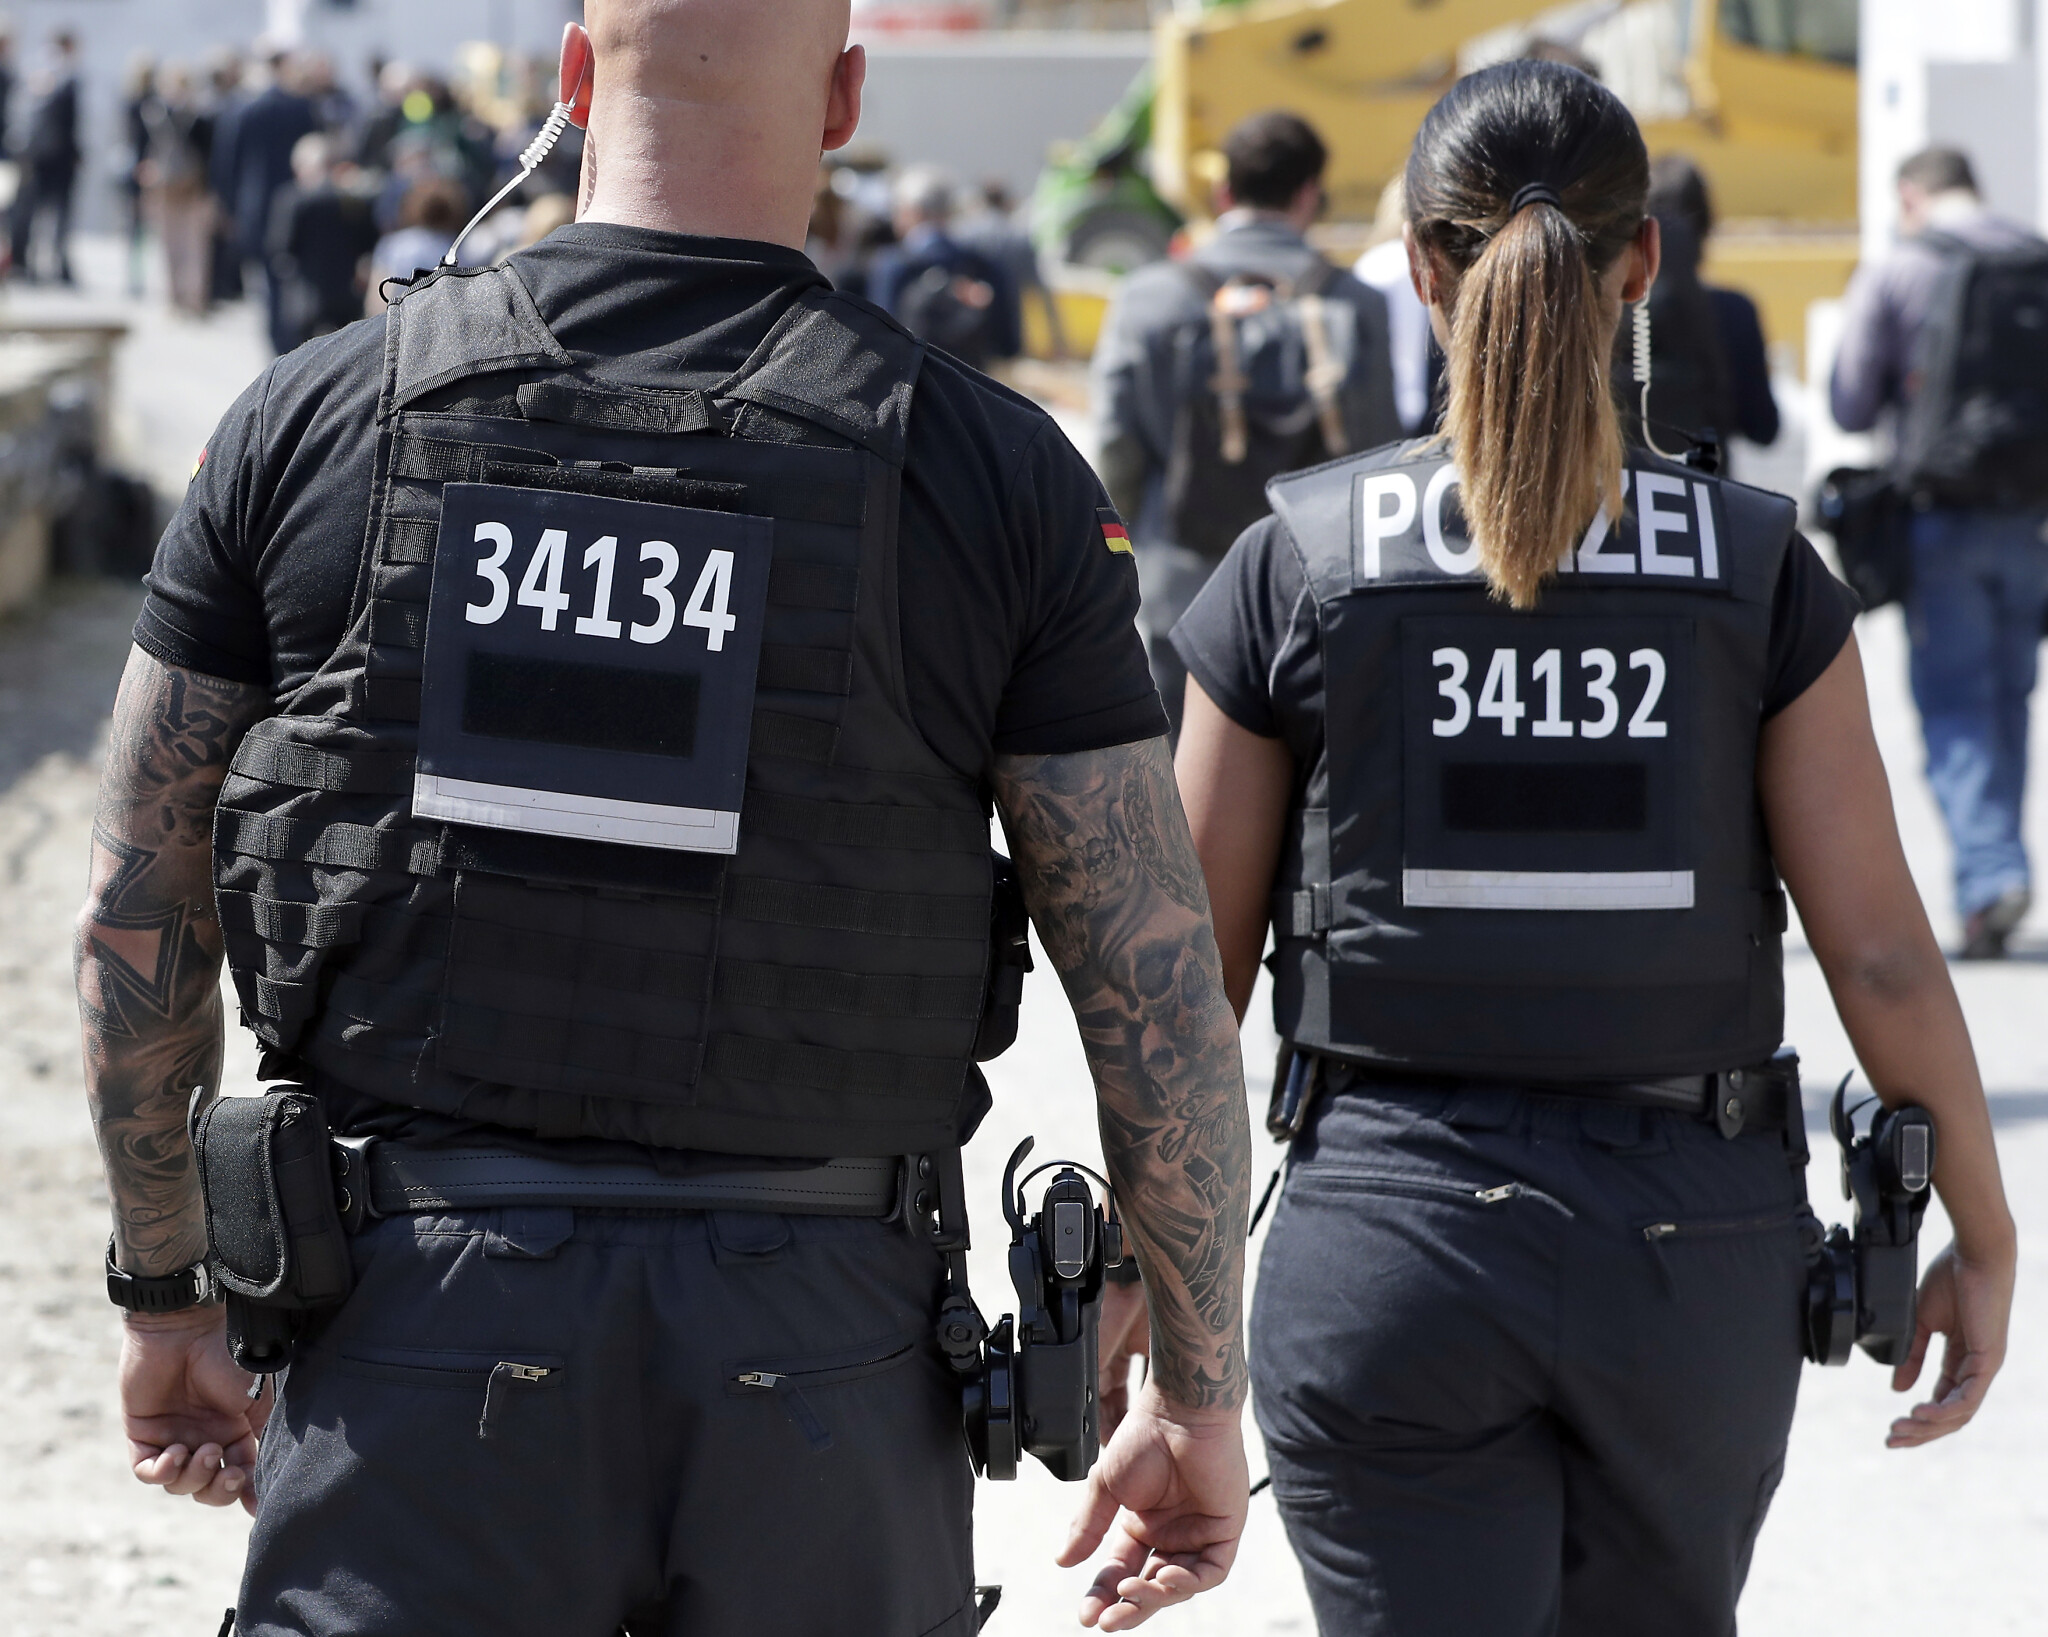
(1949, 1538)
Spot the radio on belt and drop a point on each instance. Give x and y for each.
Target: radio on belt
(590, 667)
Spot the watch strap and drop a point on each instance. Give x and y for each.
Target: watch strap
(165, 1293)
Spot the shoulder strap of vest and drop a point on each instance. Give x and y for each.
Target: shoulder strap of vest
(1316, 506)
(457, 324)
(1760, 529)
(840, 363)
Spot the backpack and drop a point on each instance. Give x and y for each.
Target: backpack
(1975, 432)
(939, 306)
(1263, 381)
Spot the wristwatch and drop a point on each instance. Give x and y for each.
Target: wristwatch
(166, 1293)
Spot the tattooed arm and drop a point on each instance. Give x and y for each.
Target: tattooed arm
(148, 958)
(1115, 888)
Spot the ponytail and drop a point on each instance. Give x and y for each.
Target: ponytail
(1531, 409)
(1526, 181)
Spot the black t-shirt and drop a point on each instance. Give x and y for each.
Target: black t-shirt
(1017, 614)
(1251, 638)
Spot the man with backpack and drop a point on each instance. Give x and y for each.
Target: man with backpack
(941, 290)
(1946, 341)
(1251, 357)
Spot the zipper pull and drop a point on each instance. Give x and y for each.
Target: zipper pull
(1498, 1196)
(759, 1378)
(494, 1390)
(1660, 1230)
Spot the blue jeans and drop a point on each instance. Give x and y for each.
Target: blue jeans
(1980, 584)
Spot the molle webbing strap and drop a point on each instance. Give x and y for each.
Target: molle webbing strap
(621, 410)
(282, 921)
(408, 541)
(848, 909)
(832, 587)
(278, 760)
(777, 733)
(398, 624)
(340, 846)
(869, 1074)
(804, 670)
(434, 460)
(285, 1005)
(847, 824)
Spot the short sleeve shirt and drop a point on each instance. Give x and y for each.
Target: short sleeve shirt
(1017, 605)
(1251, 638)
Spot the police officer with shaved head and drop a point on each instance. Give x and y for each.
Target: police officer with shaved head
(573, 702)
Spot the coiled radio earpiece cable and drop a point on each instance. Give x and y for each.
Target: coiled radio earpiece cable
(535, 155)
(1641, 371)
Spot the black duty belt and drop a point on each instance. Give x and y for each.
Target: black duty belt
(402, 1180)
(1735, 1100)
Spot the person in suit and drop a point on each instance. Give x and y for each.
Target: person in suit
(49, 156)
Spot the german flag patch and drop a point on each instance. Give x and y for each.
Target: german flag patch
(1114, 534)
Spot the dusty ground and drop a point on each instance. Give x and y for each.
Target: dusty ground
(1949, 1539)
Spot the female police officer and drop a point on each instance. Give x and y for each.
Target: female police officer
(1513, 736)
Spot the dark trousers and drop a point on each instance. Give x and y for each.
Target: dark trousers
(1526, 1366)
(539, 1423)
(45, 192)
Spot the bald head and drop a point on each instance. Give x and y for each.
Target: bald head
(708, 116)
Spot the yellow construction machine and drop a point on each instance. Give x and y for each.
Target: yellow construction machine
(1761, 94)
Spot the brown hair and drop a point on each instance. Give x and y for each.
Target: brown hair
(1531, 414)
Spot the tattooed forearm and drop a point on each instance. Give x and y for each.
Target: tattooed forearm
(1117, 893)
(148, 948)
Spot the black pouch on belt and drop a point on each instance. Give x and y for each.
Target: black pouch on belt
(273, 1233)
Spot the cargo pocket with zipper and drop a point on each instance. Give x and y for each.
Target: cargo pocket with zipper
(792, 1381)
(1337, 1179)
(1660, 1234)
(500, 1383)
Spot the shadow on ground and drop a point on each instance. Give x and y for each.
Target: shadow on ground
(60, 661)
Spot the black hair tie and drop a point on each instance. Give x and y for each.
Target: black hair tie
(1533, 193)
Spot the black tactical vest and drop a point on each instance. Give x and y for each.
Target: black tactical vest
(809, 986)
(1533, 846)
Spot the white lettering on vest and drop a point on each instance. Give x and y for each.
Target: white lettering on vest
(1592, 560)
(1710, 545)
(1451, 562)
(1375, 524)
(1651, 522)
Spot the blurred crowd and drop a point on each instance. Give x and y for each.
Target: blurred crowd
(263, 175)
(954, 265)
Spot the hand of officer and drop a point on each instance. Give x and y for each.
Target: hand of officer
(185, 1406)
(1968, 1300)
(1174, 1483)
(1123, 1332)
